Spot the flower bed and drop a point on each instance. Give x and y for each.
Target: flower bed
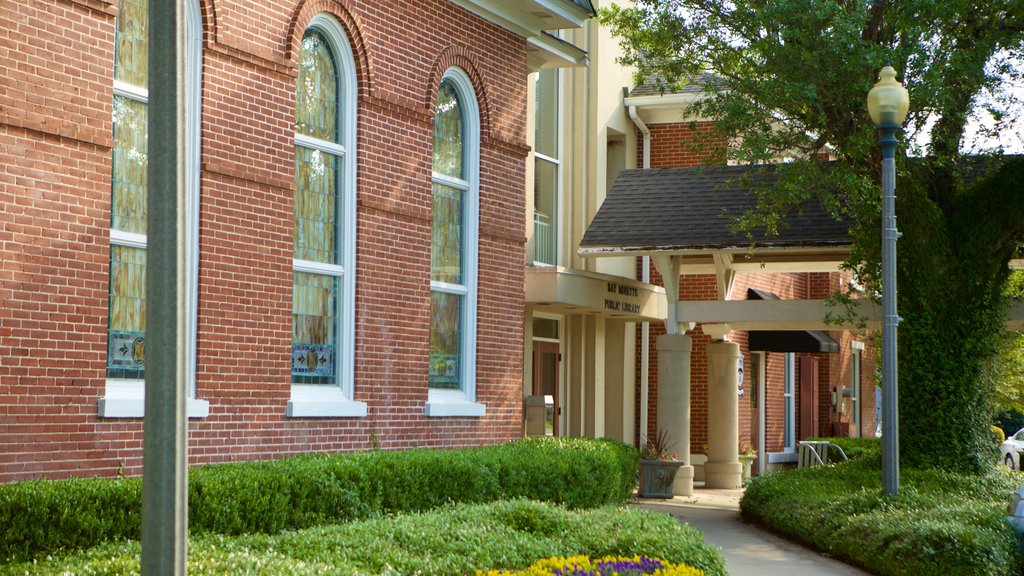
(607, 566)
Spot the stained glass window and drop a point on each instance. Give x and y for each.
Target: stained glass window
(131, 57)
(315, 234)
(316, 90)
(448, 133)
(126, 336)
(445, 342)
(128, 207)
(314, 311)
(318, 174)
(446, 237)
(126, 344)
(450, 280)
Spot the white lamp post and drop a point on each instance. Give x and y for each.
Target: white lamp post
(888, 103)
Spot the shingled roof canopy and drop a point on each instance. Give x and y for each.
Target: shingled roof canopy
(680, 210)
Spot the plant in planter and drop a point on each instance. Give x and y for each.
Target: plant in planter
(658, 467)
(747, 455)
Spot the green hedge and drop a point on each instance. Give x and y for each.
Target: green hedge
(510, 534)
(939, 522)
(41, 517)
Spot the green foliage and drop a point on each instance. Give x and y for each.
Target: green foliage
(271, 496)
(1010, 421)
(450, 540)
(859, 448)
(939, 523)
(42, 515)
(956, 269)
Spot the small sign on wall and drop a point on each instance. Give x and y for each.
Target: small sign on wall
(739, 375)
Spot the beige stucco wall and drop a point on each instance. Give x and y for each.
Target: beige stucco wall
(598, 140)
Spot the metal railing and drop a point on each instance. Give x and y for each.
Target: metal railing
(544, 234)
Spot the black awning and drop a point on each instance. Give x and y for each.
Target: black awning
(787, 340)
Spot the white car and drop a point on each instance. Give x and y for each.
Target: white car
(1010, 450)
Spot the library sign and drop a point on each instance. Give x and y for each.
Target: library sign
(622, 298)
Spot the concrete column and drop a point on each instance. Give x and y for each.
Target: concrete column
(575, 376)
(723, 469)
(674, 402)
(595, 382)
(614, 383)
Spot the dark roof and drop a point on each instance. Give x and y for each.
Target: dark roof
(657, 86)
(675, 209)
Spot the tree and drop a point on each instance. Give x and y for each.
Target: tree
(789, 78)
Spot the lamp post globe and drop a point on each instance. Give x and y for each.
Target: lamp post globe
(888, 103)
(888, 100)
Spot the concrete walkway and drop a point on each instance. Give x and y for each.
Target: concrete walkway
(748, 550)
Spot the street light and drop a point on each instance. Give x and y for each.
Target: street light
(887, 104)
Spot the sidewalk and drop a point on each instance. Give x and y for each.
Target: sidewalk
(748, 550)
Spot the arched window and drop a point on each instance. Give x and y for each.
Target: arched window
(323, 297)
(453, 255)
(126, 335)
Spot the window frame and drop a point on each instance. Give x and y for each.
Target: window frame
(125, 397)
(856, 350)
(462, 402)
(556, 163)
(789, 402)
(337, 400)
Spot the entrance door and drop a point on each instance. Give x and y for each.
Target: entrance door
(546, 357)
(808, 397)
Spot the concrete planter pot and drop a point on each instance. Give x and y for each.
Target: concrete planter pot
(746, 460)
(657, 477)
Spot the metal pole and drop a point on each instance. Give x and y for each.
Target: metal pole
(890, 320)
(164, 461)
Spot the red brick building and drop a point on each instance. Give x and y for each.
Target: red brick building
(356, 226)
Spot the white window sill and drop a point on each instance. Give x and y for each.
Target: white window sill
(452, 403)
(322, 402)
(125, 407)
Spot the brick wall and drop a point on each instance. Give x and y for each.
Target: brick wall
(55, 148)
(683, 146)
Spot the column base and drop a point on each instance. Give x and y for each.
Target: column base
(683, 484)
(723, 475)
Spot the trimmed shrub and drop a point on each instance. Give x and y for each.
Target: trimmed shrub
(506, 535)
(41, 517)
(998, 436)
(45, 516)
(939, 522)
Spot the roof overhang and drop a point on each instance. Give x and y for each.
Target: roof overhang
(547, 51)
(665, 108)
(531, 19)
(745, 259)
(560, 290)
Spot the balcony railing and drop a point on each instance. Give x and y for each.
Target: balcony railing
(544, 234)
